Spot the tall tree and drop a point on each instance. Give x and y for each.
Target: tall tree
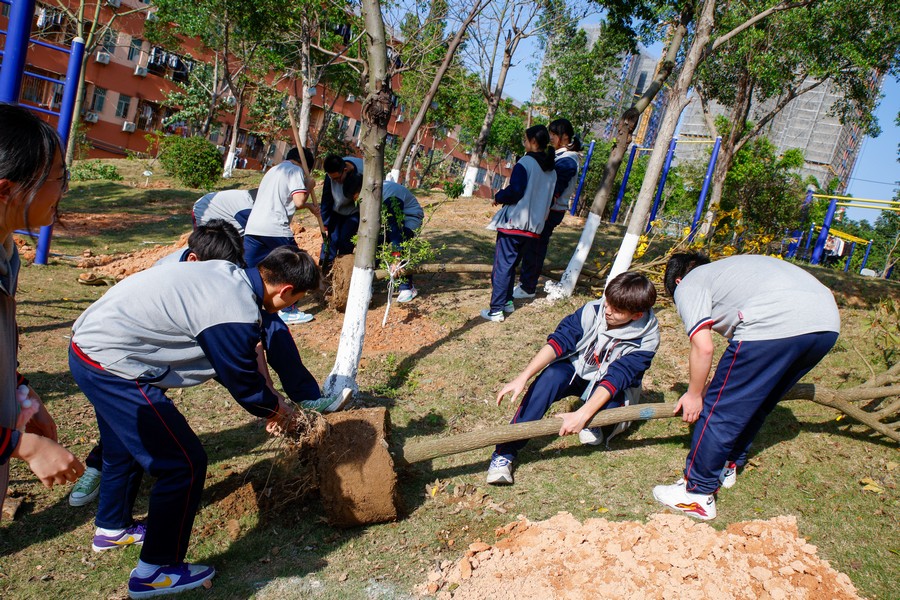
(574, 79)
(496, 35)
(376, 112)
(425, 101)
(198, 102)
(842, 45)
(92, 22)
(236, 33)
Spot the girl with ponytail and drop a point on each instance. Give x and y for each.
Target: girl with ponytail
(567, 165)
(525, 204)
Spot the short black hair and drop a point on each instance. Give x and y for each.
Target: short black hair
(680, 265)
(294, 154)
(631, 291)
(217, 240)
(289, 265)
(334, 163)
(352, 184)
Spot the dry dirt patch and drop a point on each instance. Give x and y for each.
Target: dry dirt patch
(670, 556)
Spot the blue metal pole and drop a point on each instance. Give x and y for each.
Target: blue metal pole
(662, 182)
(701, 202)
(812, 227)
(796, 240)
(63, 128)
(15, 50)
(866, 257)
(819, 249)
(584, 170)
(621, 194)
(849, 257)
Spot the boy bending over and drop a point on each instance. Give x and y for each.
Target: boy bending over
(158, 330)
(600, 353)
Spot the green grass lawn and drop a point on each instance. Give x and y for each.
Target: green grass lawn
(807, 462)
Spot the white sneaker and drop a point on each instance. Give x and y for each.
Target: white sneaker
(728, 476)
(676, 497)
(496, 317)
(407, 295)
(520, 294)
(86, 488)
(591, 436)
(509, 307)
(329, 404)
(500, 471)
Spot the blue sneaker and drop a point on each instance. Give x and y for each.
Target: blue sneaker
(292, 316)
(329, 404)
(170, 579)
(130, 536)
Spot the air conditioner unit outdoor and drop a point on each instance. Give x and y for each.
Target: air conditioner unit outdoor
(114, 3)
(221, 149)
(140, 71)
(151, 16)
(351, 98)
(102, 58)
(231, 101)
(128, 127)
(399, 118)
(91, 117)
(508, 165)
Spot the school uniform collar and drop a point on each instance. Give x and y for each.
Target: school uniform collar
(256, 284)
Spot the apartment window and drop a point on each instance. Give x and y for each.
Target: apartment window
(98, 100)
(134, 50)
(123, 106)
(4, 10)
(356, 129)
(345, 123)
(109, 41)
(479, 177)
(497, 181)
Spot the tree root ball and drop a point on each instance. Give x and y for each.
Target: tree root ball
(357, 480)
(341, 272)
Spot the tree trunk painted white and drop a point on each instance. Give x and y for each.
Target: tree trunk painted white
(376, 112)
(664, 137)
(566, 284)
(627, 123)
(228, 171)
(469, 184)
(303, 118)
(346, 364)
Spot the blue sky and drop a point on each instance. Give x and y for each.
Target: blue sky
(875, 175)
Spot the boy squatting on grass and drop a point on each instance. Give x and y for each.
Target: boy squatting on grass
(600, 353)
(154, 331)
(219, 240)
(398, 201)
(779, 320)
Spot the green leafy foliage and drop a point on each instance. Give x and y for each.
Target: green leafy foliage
(268, 115)
(193, 101)
(454, 189)
(94, 170)
(574, 78)
(193, 161)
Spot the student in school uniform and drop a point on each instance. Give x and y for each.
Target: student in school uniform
(233, 206)
(525, 204)
(404, 219)
(158, 330)
(219, 240)
(340, 213)
(283, 190)
(567, 165)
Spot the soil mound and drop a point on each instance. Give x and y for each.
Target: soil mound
(670, 556)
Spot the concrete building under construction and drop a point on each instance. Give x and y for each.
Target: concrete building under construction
(830, 148)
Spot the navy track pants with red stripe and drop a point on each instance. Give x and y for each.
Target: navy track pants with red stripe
(750, 379)
(141, 430)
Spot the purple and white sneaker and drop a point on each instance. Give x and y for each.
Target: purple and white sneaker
(129, 536)
(169, 579)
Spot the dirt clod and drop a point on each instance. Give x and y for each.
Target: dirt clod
(562, 558)
(357, 480)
